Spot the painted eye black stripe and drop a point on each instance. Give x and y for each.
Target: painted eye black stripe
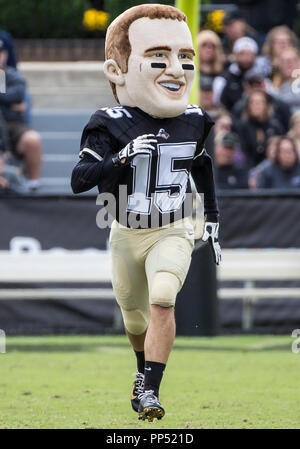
(158, 65)
(162, 65)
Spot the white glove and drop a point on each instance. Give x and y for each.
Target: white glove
(211, 234)
(140, 145)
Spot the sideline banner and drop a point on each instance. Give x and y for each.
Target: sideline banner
(51, 222)
(246, 221)
(260, 221)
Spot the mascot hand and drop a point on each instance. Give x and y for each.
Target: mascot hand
(140, 145)
(211, 234)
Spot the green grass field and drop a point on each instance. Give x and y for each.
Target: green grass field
(84, 382)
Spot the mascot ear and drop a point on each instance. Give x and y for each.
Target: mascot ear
(113, 72)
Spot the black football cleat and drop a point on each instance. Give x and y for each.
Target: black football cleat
(149, 406)
(137, 389)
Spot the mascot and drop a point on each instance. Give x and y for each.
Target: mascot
(142, 153)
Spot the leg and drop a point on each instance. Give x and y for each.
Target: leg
(131, 290)
(166, 266)
(159, 341)
(130, 282)
(160, 335)
(136, 323)
(137, 341)
(161, 330)
(30, 148)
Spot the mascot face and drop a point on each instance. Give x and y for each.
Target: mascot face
(160, 67)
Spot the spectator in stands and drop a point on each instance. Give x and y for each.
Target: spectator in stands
(288, 89)
(24, 142)
(211, 56)
(294, 132)
(257, 125)
(12, 62)
(271, 148)
(207, 97)
(278, 40)
(228, 174)
(11, 181)
(255, 80)
(284, 172)
(245, 51)
(235, 27)
(11, 57)
(211, 59)
(4, 144)
(223, 123)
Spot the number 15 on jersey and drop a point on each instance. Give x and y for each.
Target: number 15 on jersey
(168, 188)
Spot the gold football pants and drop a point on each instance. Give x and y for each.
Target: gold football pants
(149, 266)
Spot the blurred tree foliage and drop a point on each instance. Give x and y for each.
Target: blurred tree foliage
(116, 7)
(45, 19)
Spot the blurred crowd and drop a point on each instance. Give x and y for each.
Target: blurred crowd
(250, 85)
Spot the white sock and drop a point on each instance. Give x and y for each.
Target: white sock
(33, 184)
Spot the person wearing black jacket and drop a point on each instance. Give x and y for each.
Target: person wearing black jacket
(255, 80)
(7, 39)
(24, 143)
(235, 26)
(228, 174)
(257, 125)
(245, 51)
(284, 172)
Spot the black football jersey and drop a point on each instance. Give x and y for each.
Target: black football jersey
(152, 190)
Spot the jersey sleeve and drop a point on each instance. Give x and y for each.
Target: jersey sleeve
(206, 124)
(202, 170)
(96, 141)
(203, 176)
(95, 166)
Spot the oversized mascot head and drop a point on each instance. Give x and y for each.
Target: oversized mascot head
(149, 59)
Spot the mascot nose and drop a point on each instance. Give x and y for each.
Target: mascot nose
(175, 68)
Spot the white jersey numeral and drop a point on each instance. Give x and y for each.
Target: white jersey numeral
(117, 112)
(139, 202)
(170, 183)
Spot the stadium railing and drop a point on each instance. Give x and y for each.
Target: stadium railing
(248, 266)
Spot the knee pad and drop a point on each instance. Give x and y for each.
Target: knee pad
(164, 289)
(136, 321)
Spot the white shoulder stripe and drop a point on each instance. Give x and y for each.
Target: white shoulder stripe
(92, 153)
(200, 154)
